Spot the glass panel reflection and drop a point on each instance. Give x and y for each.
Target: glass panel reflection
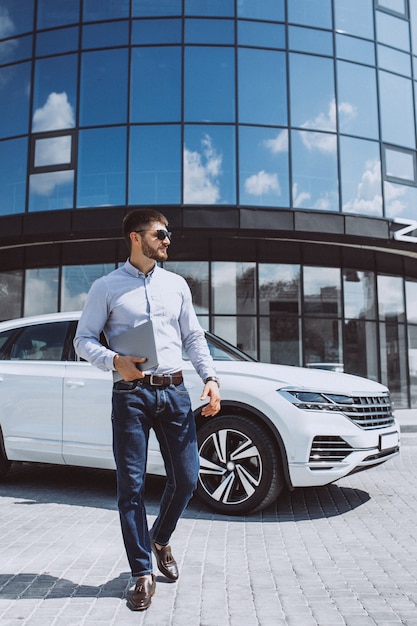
(359, 294)
(322, 342)
(103, 91)
(17, 17)
(261, 34)
(262, 92)
(262, 9)
(411, 301)
(392, 31)
(209, 84)
(156, 84)
(196, 273)
(360, 167)
(263, 163)
(17, 49)
(13, 159)
(55, 93)
(14, 99)
(209, 31)
(393, 362)
(41, 291)
(279, 289)
(310, 40)
(102, 167)
(397, 112)
(11, 284)
(391, 299)
(393, 5)
(56, 41)
(355, 17)
(105, 35)
(400, 164)
(361, 350)
(358, 101)
(354, 49)
(156, 31)
(279, 340)
(57, 13)
(155, 165)
(313, 103)
(315, 176)
(310, 12)
(95, 10)
(400, 200)
(239, 331)
(53, 151)
(217, 8)
(394, 60)
(412, 363)
(76, 281)
(143, 8)
(322, 292)
(51, 190)
(233, 288)
(209, 165)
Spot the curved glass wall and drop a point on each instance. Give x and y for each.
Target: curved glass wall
(305, 104)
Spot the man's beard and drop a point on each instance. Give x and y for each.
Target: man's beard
(156, 255)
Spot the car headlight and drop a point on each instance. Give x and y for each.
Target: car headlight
(316, 401)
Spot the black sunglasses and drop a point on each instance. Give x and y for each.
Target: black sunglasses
(161, 234)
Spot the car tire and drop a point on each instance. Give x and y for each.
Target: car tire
(240, 465)
(4, 461)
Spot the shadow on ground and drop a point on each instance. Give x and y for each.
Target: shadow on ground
(35, 483)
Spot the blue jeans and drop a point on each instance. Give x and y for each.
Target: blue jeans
(138, 407)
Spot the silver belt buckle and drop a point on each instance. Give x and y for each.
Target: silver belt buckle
(151, 380)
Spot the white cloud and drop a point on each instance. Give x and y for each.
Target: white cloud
(56, 113)
(7, 27)
(368, 199)
(279, 144)
(44, 184)
(262, 183)
(393, 194)
(299, 197)
(201, 174)
(324, 142)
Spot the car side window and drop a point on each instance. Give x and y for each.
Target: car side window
(42, 342)
(4, 341)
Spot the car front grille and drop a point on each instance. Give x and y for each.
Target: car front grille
(328, 449)
(369, 411)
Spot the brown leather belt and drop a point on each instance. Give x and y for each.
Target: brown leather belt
(159, 380)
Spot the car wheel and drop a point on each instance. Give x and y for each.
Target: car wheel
(240, 467)
(4, 461)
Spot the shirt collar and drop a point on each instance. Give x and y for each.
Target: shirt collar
(131, 269)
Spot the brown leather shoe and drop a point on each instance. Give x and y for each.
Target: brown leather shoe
(141, 597)
(165, 561)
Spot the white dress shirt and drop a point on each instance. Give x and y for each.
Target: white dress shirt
(125, 298)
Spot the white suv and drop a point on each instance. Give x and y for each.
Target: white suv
(279, 425)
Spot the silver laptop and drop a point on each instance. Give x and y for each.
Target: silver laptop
(138, 341)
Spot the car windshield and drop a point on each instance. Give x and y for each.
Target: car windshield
(222, 350)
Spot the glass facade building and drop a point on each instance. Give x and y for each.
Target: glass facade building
(277, 136)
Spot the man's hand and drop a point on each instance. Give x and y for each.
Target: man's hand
(126, 366)
(211, 390)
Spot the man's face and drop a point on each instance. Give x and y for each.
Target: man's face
(152, 247)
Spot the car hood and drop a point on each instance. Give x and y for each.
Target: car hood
(300, 377)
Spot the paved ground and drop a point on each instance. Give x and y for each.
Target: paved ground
(339, 555)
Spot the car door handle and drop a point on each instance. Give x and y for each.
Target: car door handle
(75, 383)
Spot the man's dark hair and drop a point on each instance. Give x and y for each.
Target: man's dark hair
(141, 219)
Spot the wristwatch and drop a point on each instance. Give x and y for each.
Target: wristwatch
(213, 378)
